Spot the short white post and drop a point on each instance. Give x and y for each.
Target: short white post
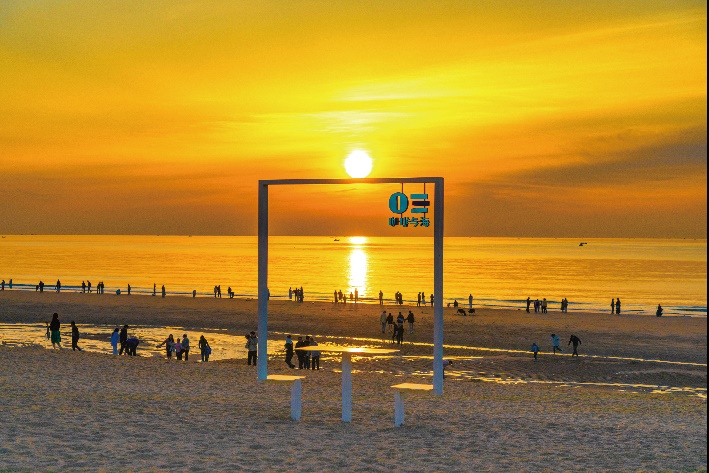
(398, 408)
(296, 391)
(346, 387)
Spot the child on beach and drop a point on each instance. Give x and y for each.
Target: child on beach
(535, 350)
(114, 340)
(555, 343)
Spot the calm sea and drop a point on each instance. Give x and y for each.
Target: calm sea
(498, 272)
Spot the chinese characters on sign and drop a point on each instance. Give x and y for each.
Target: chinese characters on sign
(399, 204)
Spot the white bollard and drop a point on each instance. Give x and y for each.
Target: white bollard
(398, 408)
(295, 400)
(346, 387)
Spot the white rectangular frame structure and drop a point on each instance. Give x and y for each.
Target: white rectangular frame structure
(262, 363)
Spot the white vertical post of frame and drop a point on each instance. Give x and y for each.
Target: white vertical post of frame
(438, 288)
(296, 394)
(262, 362)
(347, 387)
(398, 408)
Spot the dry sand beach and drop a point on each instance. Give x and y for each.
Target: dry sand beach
(612, 409)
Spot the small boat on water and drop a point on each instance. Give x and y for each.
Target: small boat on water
(583, 243)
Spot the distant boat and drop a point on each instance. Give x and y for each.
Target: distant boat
(336, 239)
(583, 243)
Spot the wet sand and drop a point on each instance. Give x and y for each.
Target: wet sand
(68, 411)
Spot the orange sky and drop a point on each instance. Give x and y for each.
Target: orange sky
(553, 118)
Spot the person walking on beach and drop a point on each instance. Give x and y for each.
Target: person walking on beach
(163, 290)
(410, 320)
(88, 286)
(169, 344)
(114, 340)
(203, 346)
(123, 338)
(252, 347)
(314, 355)
(58, 286)
(54, 327)
(535, 350)
(555, 343)
(75, 337)
(390, 322)
(400, 334)
(576, 341)
(617, 306)
(186, 346)
(289, 351)
(83, 287)
(383, 320)
(659, 311)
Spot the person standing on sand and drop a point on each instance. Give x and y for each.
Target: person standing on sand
(470, 301)
(299, 353)
(129, 289)
(54, 327)
(88, 286)
(114, 340)
(314, 356)
(617, 306)
(390, 321)
(529, 302)
(186, 346)
(659, 311)
(289, 351)
(203, 345)
(612, 306)
(123, 338)
(576, 341)
(410, 320)
(83, 287)
(177, 347)
(252, 347)
(555, 342)
(58, 286)
(163, 290)
(169, 343)
(383, 320)
(75, 337)
(381, 297)
(535, 350)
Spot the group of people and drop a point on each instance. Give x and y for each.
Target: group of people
(181, 348)
(55, 336)
(615, 306)
(2, 285)
(86, 287)
(539, 306)
(556, 345)
(396, 328)
(307, 359)
(298, 293)
(342, 298)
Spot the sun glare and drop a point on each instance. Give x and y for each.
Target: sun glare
(358, 164)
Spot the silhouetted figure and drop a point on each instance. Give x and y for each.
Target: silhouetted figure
(529, 302)
(617, 306)
(122, 339)
(535, 350)
(54, 327)
(576, 341)
(252, 347)
(289, 351)
(58, 286)
(83, 287)
(300, 354)
(659, 311)
(612, 306)
(75, 337)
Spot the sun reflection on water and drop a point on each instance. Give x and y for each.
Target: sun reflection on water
(357, 268)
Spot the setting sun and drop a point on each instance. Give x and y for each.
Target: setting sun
(358, 164)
